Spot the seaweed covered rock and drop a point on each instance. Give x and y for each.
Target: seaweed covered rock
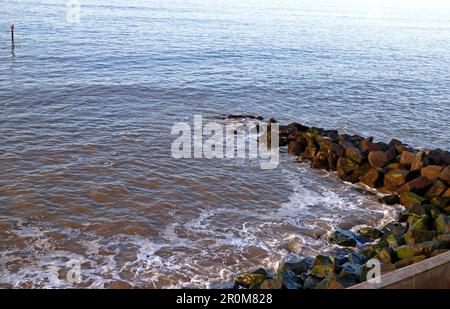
(370, 232)
(395, 179)
(348, 170)
(248, 280)
(353, 153)
(410, 199)
(322, 266)
(442, 224)
(418, 236)
(373, 177)
(408, 251)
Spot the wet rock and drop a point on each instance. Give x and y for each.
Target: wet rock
(329, 282)
(348, 170)
(442, 224)
(299, 267)
(418, 185)
(385, 255)
(354, 154)
(392, 199)
(373, 178)
(409, 261)
(420, 160)
(377, 158)
(289, 279)
(418, 236)
(322, 266)
(271, 284)
(446, 193)
(311, 150)
(343, 238)
(407, 158)
(431, 171)
(438, 251)
(297, 147)
(327, 156)
(444, 175)
(367, 145)
(424, 223)
(295, 127)
(311, 282)
(395, 179)
(247, 280)
(416, 211)
(410, 199)
(390, 154)
(393, 166)
(256, 117)
(437, 189)
(357, 258)
(394, 228)
(370, 232)
(432, 211)
(408, 251)
(393, 240)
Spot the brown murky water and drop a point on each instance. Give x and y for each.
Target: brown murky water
(87, 180)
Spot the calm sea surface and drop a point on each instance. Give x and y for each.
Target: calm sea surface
(86, 174)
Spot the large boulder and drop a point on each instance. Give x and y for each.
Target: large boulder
(408, 251)
(311, 150)
(395, 179)
(418, 185)
(377, 158)
(322, 266)
(296, 147)
(418, 236)
(289, 279)
(444, 175)
(437, 189)
(431, 171)
(410, 199)
(298, 267)
(442, 224)
(373, 177)
(407, 158)
(354, 154)
(348, 170)
(420, 160)
(367, 145)
(344, 238)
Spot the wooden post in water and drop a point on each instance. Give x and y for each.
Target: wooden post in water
(12, 35)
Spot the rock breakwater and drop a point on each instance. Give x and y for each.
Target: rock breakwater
(417, 179)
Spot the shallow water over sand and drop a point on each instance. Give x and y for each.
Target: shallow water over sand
(86, 171)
